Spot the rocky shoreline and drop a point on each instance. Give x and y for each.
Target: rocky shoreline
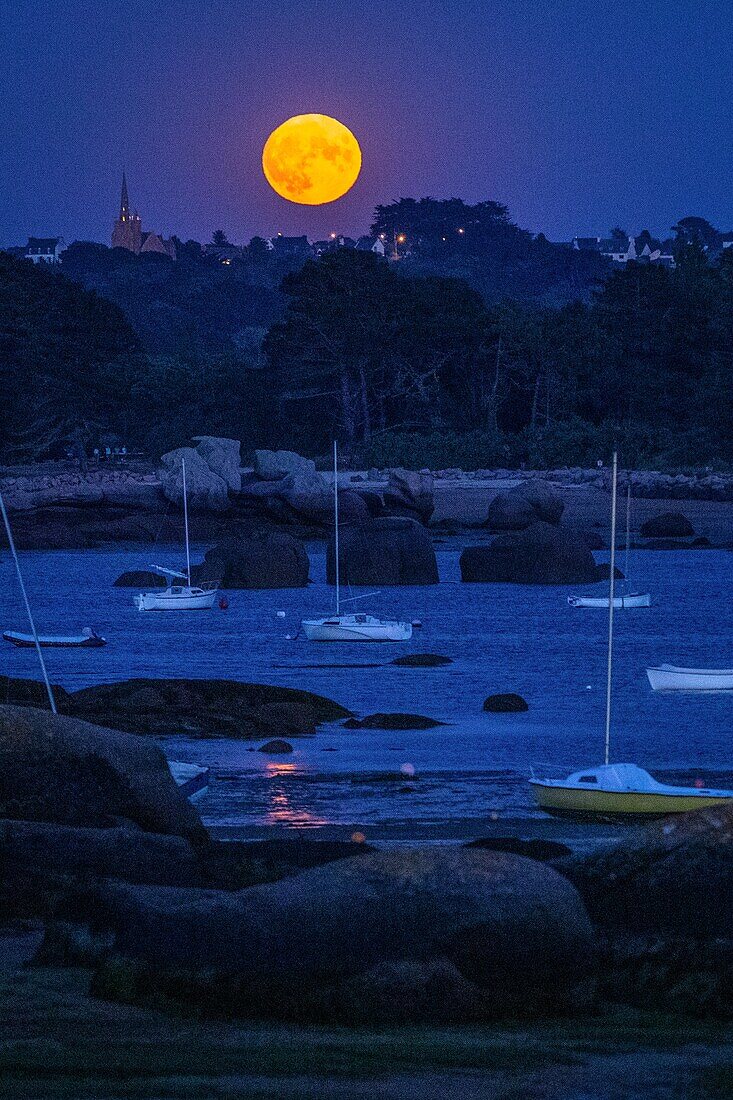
(98, 844)
(56, 506)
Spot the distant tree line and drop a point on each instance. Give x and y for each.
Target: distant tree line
(472, 344)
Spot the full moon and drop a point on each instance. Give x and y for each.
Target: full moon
(311, 159)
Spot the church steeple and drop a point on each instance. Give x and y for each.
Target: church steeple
(124, 201)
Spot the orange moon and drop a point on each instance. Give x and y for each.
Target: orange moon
(311, 159)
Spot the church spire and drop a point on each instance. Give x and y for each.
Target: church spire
(124, 201)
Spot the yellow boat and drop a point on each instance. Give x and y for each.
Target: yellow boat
(616, 791)
(619, 791)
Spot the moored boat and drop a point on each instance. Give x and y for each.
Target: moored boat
(674, 678)
(633, 599)
(191, 779)
(351, 628)
(179, 597)
(615, 791)
(356, 628)
(619, 791)
(628, 599)
(88, 639)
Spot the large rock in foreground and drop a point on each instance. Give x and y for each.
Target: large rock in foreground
(541, 554)
(46, 849)
(271, 559)
(673, 876)
(59, 769)
(207, 491)
(352, 940)
(518, 508)
(384, 551)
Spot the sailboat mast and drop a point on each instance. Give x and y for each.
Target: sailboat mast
(336, 520)
(26, 601)
(611, 585)
(628, 534)
(185, 523)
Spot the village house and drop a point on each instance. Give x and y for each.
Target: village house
(618, 249)
(44, 250)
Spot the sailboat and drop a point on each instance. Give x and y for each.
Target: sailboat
(178, 597)
(626, 599)
(616, 791)
(351, 628)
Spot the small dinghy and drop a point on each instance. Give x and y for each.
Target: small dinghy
(88, 639)
(634, 599)
(191, 779)
(673, 678)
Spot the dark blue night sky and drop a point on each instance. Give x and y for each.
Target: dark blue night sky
(577, 114)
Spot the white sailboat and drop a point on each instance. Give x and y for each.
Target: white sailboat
(627, 599)
(616, 791)
(178, 597)
(351, 628)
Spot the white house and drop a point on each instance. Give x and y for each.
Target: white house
(44, 250)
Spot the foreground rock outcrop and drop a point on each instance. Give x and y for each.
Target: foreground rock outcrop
(385, 551)
(663, 899)
(362, 940)
(63, 770)
(541, 554)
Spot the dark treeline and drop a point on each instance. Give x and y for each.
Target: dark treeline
(474, 344)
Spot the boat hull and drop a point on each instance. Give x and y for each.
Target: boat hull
(619, 805)
(191, 780)
(172, 601)
(635, 599)
(27, 641)
(671, 678)
(323, 631)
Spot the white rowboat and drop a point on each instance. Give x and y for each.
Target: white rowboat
(88, 639)
(673, 678)
(634, 599)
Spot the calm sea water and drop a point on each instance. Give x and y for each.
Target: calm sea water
(469, 773)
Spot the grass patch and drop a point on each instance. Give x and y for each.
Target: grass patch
(58, 1042)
